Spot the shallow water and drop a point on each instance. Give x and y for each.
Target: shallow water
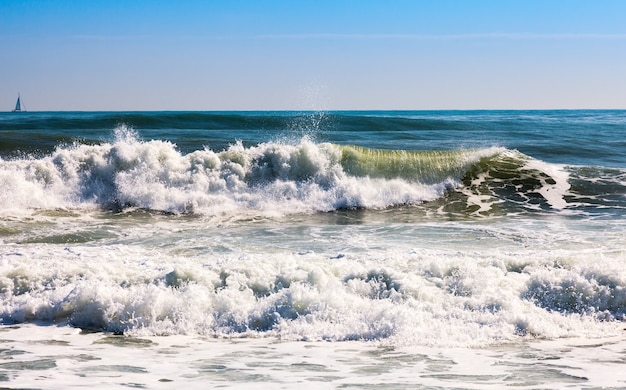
(55, 357)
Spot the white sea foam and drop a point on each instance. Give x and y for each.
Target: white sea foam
(470, 268)
(271, 179)
(516, 182)
(64, 358)
(222, 271)
(555, 186)
(268, 179)
(332, 284)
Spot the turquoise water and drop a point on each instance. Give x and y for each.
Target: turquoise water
(443, 229)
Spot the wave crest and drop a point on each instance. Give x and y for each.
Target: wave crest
(279, 178)
(269, 178)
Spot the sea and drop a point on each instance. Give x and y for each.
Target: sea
(313, 250)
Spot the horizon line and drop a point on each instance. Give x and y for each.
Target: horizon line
(313, 110)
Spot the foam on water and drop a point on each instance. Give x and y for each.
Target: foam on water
(184, 274)
(276, 178)
(488, 287)
(511, 183)
(268, 179)
(63, 358)
(481, 268)
(553, 188)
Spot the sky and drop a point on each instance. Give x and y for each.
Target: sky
(75, 55)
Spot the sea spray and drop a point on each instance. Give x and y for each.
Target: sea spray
(267, 178)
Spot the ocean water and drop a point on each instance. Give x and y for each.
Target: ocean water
(432, 249)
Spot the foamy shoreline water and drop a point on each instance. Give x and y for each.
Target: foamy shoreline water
(406, 282)
(60, 357)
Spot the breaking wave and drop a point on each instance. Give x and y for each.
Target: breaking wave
(277, 178)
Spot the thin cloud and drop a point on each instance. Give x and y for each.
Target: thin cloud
(103, 37)
(145, 37)
(443, 36)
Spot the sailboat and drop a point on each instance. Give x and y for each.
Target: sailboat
(18, 104)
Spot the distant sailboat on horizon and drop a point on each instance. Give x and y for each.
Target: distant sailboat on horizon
(18, 105)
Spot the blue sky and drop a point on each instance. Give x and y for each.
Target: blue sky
(319, 55)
